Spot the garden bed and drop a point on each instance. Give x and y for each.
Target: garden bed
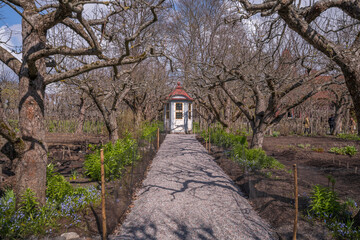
(271, 191)
(67, 154)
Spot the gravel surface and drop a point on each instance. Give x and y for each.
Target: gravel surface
(186, 195)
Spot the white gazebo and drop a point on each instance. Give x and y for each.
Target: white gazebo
(178, 111)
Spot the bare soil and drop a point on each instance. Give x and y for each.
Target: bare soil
(271, 192)
(67, 152)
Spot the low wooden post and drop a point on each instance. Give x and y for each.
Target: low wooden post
(158, 139)
(103, 195)
(209, 143)
(296, 201)
(347, 165)
(86, 145)
(355, 169)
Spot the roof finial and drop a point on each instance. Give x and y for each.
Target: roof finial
(178, 83)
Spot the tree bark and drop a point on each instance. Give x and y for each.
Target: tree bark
(357, 219)
(82, 111)
(31, 169)
(258, 136)
(347, 60)
(352, 77)
(338, 115)
(112, 127)
(337, 125)
(137, 119)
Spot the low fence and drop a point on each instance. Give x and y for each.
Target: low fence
(121, 193)
(295, 196)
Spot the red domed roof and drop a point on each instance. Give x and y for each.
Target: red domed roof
(179, 94)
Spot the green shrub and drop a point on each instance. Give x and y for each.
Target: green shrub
(30, 218)
(324, 202)
(205, 135)
(353, 137)
(148, 130)
(196, 127)
(57, 186)
(254, 158)
(304, 146)
(220, 137)
(338, 217)
(348, 150)
(116, 157)
(275, 134)
(251, 158)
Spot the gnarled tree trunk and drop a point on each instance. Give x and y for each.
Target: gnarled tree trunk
(31, 168)
(257, 139)
(352, 77)
(112, 126)
(81, 120)
(338, 115)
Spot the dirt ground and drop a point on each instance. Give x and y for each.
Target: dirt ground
(271, 192)
(67, 152)
(314, 167)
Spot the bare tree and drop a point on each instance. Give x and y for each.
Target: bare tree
(259, 70)
(271, 99)
(83, 106)
(340, 99)
(92, 34)
(219, 104)
(195, 29)
(147, 94)
(337, 36)
(106, 92)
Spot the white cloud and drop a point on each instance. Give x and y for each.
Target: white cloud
(95, 11)
(11, 39)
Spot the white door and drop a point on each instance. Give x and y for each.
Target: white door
(179, 117)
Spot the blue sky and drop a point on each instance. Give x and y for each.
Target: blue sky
(8, 16)
(10, 30)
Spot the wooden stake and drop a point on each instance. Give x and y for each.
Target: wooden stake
(355, 169)
(296, 201)
(339, 163)
(209, 143)
(158, 139)
(103, 195)
(347, 165)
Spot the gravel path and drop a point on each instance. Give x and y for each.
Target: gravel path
(186, 195)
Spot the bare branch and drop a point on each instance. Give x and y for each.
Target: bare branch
(78, 28)
(64, 51)
(350, 7)
(9, 3)
(47, 6)
(9, 60)
(92, 66)
(15, 2)
(7, 132)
